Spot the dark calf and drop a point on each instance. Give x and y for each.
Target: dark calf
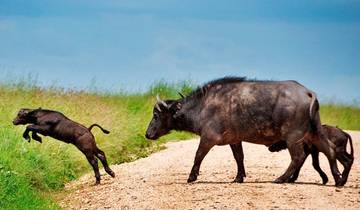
(55, 124)
(339, 138)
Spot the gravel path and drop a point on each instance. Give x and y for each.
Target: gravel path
(159, 182)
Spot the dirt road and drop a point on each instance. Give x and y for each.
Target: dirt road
(159, 182)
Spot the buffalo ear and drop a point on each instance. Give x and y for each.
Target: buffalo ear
(175, 108)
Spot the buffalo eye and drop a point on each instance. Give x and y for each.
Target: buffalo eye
(156, 116)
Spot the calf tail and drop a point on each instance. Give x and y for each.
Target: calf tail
(351, 144)
(102, 129)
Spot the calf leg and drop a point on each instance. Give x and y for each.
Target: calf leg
(94, 163)
(36, 137)
(328, 148)
(42, 129)
(316, 165)
(346, 160)
(203, 149)
(26, 135)
(86, 144)
(238, 153)
(101, 155)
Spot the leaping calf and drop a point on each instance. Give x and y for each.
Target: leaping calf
(55, 124)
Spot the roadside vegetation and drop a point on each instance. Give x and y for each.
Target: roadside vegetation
(30, 173)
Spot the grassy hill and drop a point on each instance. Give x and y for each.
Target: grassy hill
(31, 172)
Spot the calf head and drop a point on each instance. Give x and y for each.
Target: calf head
(23, 117)
(163, 120)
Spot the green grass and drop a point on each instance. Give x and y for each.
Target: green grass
(31, 173)
(28, 171)
(343, 116)
(24, 173)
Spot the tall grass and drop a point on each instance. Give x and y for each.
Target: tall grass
(30, 172)
(343, 116)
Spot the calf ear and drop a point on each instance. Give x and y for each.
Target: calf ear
(31, 111)
(24, 111)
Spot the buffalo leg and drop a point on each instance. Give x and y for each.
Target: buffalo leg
(101, 155)
(201, 152)
(316, 165)
(298, 157)
(238, 153)
(295, 175)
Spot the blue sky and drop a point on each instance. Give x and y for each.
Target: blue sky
(128, 44)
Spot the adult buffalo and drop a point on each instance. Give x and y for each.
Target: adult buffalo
(232, 109)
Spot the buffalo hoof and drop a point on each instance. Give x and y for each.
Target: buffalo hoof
(279, 181)
(192, 178)
(97, 182)
(239, 180)
(291, 180)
